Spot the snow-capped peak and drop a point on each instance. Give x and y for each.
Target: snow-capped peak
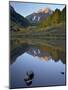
(44, 10)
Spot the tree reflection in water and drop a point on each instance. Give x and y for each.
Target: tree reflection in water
(43, 51)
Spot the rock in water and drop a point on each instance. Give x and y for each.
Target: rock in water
(62, 72)
(30, 74)
(29, 82)
(28, 78)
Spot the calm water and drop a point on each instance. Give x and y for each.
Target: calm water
(46, 71)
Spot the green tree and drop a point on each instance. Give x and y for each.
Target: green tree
(56, 17)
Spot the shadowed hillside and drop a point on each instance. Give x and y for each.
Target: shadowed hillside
(17, 21)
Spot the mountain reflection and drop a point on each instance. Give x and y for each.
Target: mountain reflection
(39, 53)
(43, 52)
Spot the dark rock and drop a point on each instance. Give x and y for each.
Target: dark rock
(62, 72)
(30, 74)
(28, 78)
(29, 82)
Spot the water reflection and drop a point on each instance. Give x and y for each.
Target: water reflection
(41, 54)
(48, 53)
(17, 51)
(44, 52)
(45, 72)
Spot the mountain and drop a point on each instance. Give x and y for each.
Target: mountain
(55, 18)
(39, 15)
(16, 20)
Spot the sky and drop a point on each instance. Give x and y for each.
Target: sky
(25, 9)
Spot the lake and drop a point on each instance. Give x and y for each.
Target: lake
(47, 71)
